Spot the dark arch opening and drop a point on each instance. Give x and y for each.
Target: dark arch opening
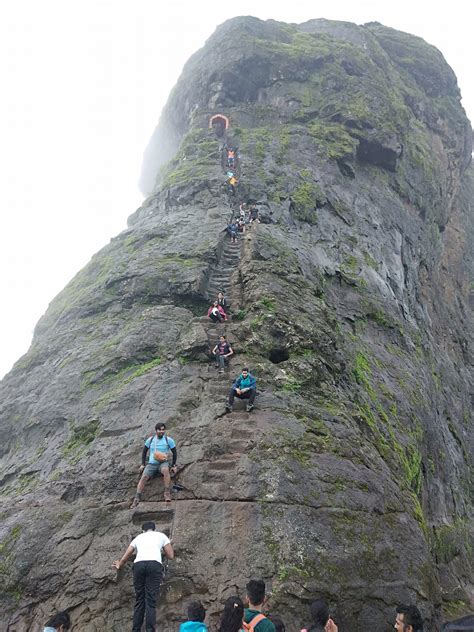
(219, 123)
(278, 355)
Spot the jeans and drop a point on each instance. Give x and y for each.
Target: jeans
(220, 361)
(147, 576)
(250, 395)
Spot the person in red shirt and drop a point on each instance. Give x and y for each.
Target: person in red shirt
(216, 313)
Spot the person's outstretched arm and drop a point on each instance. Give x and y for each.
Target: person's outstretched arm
(126, 556)
(168, 549)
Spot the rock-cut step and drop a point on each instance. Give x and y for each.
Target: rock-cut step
(224, 270)
(218, 389)
(162, 516)
(225, 464)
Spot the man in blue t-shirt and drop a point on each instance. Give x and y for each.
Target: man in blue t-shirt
(158, 446)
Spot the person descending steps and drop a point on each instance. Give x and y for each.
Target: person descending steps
(232, 229)
(222, 351)
(158, 446)
(244, 387)
(232, 182)
(147, 573)
(231, 156)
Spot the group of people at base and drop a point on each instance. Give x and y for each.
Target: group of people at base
(238, 615)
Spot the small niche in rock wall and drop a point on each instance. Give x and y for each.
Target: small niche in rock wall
(279, 355)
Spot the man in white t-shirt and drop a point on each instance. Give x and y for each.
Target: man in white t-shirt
(147, 573)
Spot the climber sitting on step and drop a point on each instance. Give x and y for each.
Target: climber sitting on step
(216, 313)
(244, 387)
(222, 350)
(159, 446)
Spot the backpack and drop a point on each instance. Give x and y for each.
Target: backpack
(250, 627)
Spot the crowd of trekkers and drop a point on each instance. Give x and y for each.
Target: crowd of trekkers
(248, 214)
(152, 549)
(238, 615)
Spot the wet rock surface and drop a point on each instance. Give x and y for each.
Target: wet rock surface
(351, 303)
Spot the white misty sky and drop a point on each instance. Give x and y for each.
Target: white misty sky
(83, 84)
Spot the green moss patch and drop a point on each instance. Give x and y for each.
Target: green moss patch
(307, 197)
(80, 439)
(332, 140)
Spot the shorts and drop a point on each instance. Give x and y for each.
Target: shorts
(153, 469)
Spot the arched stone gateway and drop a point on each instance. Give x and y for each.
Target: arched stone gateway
(219, 123)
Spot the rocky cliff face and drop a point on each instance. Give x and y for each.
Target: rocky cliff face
(352, 305)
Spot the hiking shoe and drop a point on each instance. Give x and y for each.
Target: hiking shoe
(167, 496)
(228, 408)
(221, 370)
(249, 407)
